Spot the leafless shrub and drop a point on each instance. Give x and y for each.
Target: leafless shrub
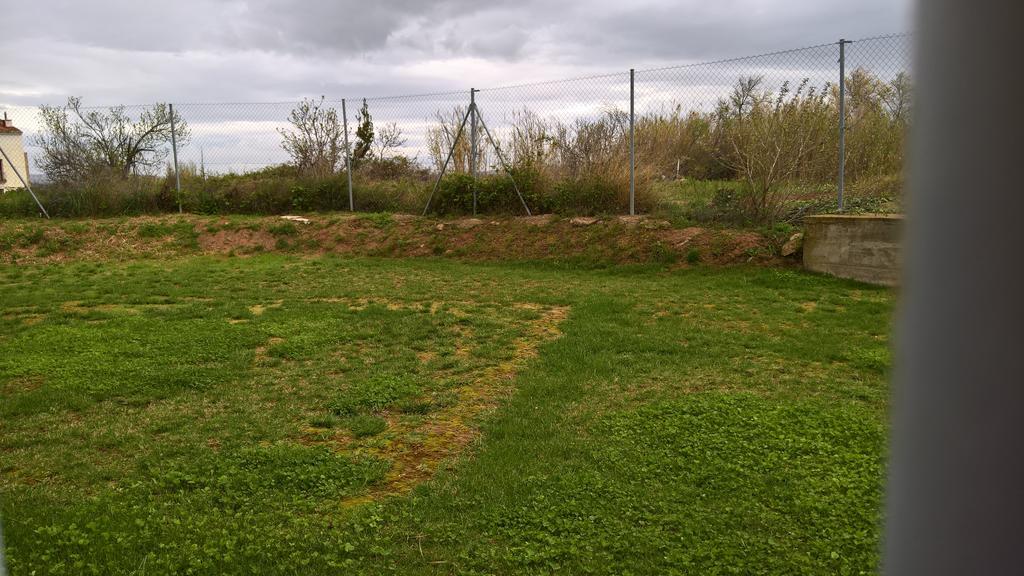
(441, 137)
(314, 141)
(79, 143)
(388, 141)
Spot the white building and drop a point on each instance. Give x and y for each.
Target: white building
(10, 141)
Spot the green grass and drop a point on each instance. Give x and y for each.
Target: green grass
(270, 415)
(687, 202)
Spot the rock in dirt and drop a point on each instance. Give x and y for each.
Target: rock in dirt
(655, 224)
(793, 246)
(584, 221)
(467, 223)
(299, 219)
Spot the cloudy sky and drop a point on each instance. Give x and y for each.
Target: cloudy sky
(241, 52)
(133, 51)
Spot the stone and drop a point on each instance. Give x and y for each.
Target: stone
(584, 221)
(793, 245)
(439, 227)
(656, 224)
(299, 219)
(467, 223)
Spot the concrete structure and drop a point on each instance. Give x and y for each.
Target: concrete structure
(10, 141)
(862, 247)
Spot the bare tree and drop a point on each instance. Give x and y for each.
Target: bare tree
(77, 142)
(388, 140)
(746, 94)
(441, 139)
(314, 141)
(897, 97)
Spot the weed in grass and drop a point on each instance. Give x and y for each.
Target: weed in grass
(382, 220)
(324, 421)
(30, 236)
(283, 229)
(414, 406)
(363, 425)
(664, 254)
(154, 230)
(375, 393)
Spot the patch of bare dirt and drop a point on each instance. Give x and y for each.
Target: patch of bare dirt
(720, 247)
(423, 446)
(260, 357)
(21, 385)
(259, 309)
(226, 241)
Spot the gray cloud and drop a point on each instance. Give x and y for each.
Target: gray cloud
(126, 50)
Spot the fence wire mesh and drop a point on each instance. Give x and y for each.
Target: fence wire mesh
(566, 142)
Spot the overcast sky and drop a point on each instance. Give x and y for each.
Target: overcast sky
(135, 51)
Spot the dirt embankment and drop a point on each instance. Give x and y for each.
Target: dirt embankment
(613, 240)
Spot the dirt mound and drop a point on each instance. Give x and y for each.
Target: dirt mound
(612, 240)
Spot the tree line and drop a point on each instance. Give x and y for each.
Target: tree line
(767, 139)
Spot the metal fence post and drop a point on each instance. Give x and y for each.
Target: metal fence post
(472, 144)
(632, 145)
(842, 120)
(348, 157)
(174, 155)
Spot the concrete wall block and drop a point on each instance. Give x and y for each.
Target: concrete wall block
(861, 247)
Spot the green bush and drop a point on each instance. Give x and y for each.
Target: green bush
(496, 193)
(275, 190)
(586, 196)
(101, 195)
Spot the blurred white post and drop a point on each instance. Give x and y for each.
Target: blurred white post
(632, 146)
(955, 501)
(348, 157)
(174, 155)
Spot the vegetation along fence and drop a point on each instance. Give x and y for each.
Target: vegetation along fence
(768, 129)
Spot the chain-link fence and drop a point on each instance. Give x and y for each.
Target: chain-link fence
(604, 143)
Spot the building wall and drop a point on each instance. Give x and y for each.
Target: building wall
(11, 143)
(865, 248)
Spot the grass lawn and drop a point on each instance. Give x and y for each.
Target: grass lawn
(280, 414)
